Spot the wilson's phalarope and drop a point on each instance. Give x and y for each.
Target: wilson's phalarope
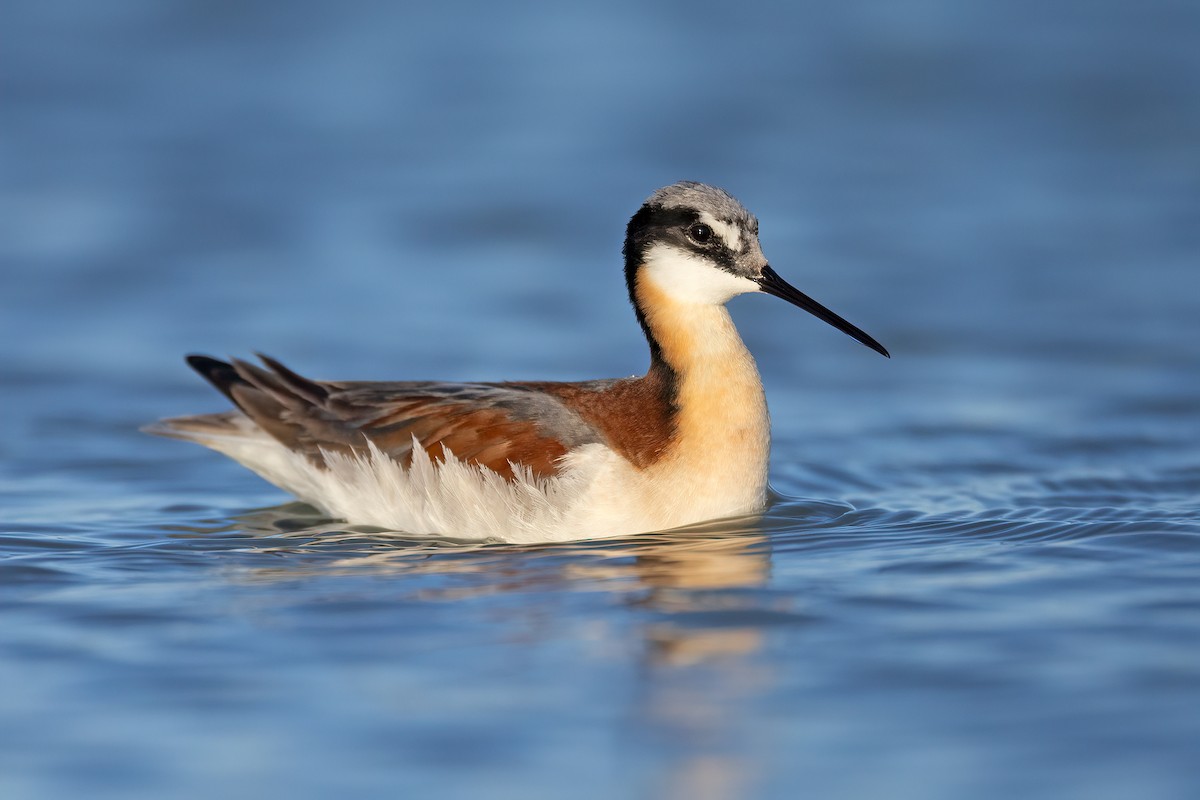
(524, 462)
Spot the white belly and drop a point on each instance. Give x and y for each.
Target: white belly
(598, 493)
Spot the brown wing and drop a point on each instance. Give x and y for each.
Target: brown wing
(491, 425)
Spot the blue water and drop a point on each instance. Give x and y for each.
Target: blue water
(982, 578)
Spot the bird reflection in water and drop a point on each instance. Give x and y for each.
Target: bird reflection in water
(695, 596)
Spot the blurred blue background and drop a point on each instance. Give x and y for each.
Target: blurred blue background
(983, 581)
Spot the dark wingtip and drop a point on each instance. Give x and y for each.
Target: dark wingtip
(219, 373)
(313, 391)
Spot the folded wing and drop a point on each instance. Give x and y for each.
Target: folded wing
(493, 425)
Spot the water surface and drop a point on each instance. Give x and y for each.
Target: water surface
(981, 577)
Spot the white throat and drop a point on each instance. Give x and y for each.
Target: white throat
(688, 278)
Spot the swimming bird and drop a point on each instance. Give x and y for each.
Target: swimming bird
(542, 461)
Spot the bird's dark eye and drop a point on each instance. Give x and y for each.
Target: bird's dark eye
(700, 233)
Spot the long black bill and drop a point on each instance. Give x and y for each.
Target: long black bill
(771, 283)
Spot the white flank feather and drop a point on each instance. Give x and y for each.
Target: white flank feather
(448, 498)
